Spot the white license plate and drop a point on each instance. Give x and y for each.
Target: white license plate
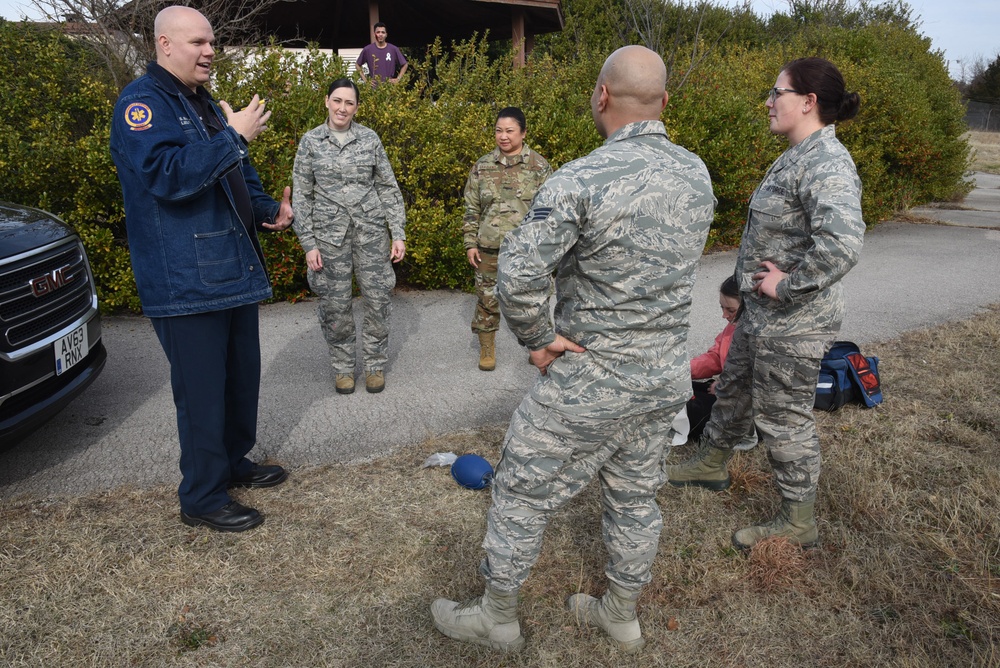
(70, 349)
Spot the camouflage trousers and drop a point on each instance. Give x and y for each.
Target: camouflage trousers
(366, 251)
(548, 457)
(770, 382)
(487, 316)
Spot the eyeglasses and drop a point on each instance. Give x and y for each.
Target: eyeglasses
(773, 94)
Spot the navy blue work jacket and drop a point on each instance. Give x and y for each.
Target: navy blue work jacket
(190, 251)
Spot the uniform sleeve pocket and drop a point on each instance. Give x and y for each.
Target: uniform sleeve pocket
(219, 260)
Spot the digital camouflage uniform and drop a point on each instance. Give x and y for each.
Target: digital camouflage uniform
(623, 228)
(498, 193)
(346, 203)
(805, 217)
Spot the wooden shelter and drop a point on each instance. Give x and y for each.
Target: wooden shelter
(337, 24)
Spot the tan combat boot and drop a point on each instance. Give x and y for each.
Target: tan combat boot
(614, 612)
(487, 351)
(707, 468)
(794, 521)
(344, 383)
(375, 381)
(490, 620)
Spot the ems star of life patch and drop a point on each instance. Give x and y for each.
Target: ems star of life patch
(139, 116)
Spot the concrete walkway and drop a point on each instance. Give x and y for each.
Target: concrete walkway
(122, 429)
(981, 207)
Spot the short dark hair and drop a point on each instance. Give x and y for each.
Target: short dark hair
(822, 78)
(380, 25)
(516, 114)
(344, 83)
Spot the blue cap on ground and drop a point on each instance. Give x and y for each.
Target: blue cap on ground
(472, 472)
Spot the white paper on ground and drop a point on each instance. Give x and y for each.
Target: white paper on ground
(440, 459)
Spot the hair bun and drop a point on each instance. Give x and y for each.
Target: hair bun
(849, 105)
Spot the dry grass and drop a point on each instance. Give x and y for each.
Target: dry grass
(344, 569)
(775, 564)
(914, 219)
(985, 151)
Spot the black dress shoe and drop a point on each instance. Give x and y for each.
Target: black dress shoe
(261, 476)
(233, 516)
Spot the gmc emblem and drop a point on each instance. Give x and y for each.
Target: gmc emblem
(43, 285)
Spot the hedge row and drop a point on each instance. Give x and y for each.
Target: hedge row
(907, 141)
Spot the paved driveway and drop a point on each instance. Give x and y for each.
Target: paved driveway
(122, 429)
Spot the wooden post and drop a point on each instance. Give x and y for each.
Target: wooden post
(372, 19)
(517, 35)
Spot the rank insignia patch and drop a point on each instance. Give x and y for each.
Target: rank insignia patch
(138, 116)
(541, 213)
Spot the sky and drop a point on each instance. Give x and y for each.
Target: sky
(963, 29)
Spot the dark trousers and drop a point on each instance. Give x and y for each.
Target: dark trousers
(699, 408)
(215, 375)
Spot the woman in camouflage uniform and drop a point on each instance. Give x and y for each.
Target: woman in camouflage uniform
(347, 204)
(803, 234)
(498, 193)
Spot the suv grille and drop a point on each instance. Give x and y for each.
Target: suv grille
(25, 318)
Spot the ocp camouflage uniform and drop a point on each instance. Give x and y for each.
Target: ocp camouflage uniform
(498, 193)
(805, 217)
(346, 203)
(623, 228)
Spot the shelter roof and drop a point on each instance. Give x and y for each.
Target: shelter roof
(346, 23)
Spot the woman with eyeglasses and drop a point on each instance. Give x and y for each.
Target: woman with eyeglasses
(803, 233)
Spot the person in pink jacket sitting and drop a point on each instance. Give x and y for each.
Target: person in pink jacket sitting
(708, 365)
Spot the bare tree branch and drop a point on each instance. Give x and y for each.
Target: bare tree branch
(651, 20)
(122, 32)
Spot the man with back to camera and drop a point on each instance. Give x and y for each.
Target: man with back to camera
(623, 229)
(193, 205)
(379, 60)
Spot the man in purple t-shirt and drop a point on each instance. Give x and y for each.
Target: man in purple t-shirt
(380, 60)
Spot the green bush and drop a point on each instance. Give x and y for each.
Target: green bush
(54, 147)
(719, 114)
(907, 140)
(293, 86)
(435, 130)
